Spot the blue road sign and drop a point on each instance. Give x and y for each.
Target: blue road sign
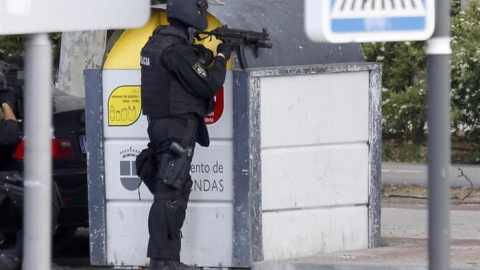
(339, 21)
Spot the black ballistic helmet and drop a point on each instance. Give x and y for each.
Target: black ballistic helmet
(190, 12)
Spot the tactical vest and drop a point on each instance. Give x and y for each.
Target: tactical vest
(162, 94)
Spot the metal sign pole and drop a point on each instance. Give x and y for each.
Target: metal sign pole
(438, 91)
(38, 172)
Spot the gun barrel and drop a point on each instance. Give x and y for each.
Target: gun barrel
(228, 33)
(263, 44)
(238, 39)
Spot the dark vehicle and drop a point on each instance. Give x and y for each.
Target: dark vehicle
(69, 175)
(69, 170)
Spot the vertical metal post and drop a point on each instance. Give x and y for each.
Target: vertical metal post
(438, 91)
(38, 172)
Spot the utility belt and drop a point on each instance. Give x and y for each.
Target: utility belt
(174, 162)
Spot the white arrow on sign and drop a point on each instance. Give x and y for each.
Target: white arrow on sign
(377, 8)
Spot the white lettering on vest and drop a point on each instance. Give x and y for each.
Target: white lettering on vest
(145, 61)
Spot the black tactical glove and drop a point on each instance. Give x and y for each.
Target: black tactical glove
(205, 55)
(225, 49)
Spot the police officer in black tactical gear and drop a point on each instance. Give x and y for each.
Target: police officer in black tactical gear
(9, 138)
(9, 134)
(179, 81)
(10, 253)
(11, 179)
(9, 126)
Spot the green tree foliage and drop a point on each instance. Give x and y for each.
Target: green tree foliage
(12, 48)
(405, 76)
(404, 87)
(466, 71)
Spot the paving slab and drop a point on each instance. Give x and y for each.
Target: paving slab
(404, 243)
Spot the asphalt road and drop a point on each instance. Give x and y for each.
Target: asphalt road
(416, 174)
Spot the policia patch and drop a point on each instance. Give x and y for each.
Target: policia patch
(146, 61)
(200, 70)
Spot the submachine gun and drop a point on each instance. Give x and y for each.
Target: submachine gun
(237, 39)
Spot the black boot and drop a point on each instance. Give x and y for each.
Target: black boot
(169, 265)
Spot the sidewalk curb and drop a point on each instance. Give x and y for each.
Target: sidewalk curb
(295, 265)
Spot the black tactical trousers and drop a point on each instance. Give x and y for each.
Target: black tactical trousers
(167, 213)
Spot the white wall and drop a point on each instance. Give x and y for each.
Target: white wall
(315, 166)
(315, 173)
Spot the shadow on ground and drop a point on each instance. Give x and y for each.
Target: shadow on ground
(75, 251)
